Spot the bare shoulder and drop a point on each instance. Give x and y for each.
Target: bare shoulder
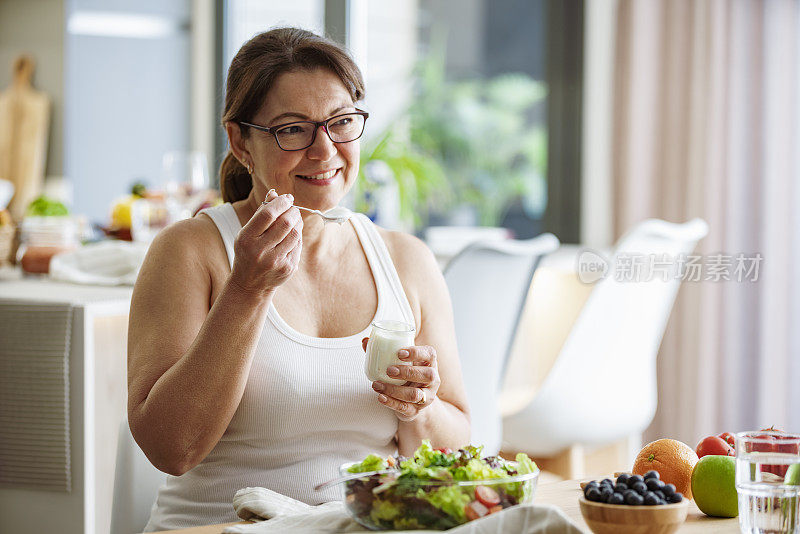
(184, 257)
(187, 233)
(411, 256)
(195, 238)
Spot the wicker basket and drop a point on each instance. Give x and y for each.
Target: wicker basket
(7, 232)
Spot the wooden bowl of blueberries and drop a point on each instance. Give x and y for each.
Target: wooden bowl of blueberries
(632, 504)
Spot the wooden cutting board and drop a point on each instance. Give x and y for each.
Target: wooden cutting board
(24, 126)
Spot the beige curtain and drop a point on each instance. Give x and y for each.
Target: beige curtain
(705, 124)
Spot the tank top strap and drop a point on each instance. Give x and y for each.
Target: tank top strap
(224, 216)
(383, 267)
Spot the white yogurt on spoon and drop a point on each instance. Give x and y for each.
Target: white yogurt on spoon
(339, 214)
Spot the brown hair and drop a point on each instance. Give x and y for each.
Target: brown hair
(253, 72)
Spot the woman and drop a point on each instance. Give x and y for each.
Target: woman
(246, 365)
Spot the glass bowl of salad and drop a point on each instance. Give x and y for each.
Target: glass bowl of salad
(436, 488)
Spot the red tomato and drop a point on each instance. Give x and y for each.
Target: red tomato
(714, 445)
(475, 510)
(444, 450)
(729, 439)
(487, 496)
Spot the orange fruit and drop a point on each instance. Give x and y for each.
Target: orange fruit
(674, 461)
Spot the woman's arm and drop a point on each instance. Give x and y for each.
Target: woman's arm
(445, 419)
(188, 364)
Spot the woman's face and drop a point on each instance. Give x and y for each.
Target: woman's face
(320, 175)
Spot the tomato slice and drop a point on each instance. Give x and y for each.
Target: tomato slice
(765, 447)
(444, 450)
(475, 510)
(770, 446)
(487, 496)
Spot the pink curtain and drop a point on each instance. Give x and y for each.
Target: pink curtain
(705, 124)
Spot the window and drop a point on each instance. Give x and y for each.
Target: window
(480, 100)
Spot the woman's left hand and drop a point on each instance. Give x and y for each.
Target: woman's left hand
(422, 382)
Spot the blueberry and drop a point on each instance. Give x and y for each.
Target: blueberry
(607, 481)
(616, 498)
(661, 501)
(628, 493)
(605, 493)
(650, 498)
(676, 497)
(623, 478)
(640, 488)
(621, 487)
(590, 485)
(634, 499)
(593, 495)
(651, 474)
(653, 484)
(668, 489)
(634, 479)
(660, 495)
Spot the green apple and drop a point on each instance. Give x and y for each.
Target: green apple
(714, 486)
(792, 477)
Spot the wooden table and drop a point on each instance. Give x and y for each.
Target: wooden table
(565, 495)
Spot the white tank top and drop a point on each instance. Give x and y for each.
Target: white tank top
(307, 408)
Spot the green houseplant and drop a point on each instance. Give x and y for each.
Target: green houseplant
(475, 143)
(419, 176)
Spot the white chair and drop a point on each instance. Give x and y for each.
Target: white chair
(488, 283)
(602, 387)
(136, 482)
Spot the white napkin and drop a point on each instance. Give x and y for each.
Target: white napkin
(278, 513)
(107, 263)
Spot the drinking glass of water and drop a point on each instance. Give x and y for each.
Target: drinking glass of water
(768, 481)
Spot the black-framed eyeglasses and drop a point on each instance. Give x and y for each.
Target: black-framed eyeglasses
(300, 135)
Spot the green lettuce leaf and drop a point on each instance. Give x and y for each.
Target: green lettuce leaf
(372, 462)
(525, 464)
(384, 511)
(449, 499)
(42, 206)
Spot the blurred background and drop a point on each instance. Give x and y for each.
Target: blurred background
(580, 118)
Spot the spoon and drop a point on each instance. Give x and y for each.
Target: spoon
(351, 476)
(339, 214)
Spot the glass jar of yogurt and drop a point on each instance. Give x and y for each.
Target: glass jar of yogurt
(385, 339)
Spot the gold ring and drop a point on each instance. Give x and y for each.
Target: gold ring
(264, 202)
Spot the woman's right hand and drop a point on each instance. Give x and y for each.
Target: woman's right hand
(267, 249)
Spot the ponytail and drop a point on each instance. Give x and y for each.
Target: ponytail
(235, 183)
